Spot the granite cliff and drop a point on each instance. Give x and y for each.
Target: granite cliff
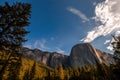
(85, 53)
(47, 58)
(80, 55)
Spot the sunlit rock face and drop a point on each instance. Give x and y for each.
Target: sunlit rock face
(82, 54)
(85, 53)
(105, 57)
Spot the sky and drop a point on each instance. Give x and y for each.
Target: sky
(58, 25)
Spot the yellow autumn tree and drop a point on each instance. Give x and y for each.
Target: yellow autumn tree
(61, 72)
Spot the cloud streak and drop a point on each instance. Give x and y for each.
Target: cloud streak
(108, 14)
(41, 44)
(110, 47)
(78, 13)
(59, 50)
(28, 46)
(107, 41)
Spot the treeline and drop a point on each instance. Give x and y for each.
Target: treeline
(24, 69)
(98, 72)
(27, 69)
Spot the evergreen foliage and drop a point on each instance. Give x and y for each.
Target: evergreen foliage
(30, 70)
(13, 20)
(116, 48)
(61, 72)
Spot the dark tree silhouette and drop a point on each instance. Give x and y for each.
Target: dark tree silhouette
(13, 21)
(32, 72)
(26, 75)
(116, 48)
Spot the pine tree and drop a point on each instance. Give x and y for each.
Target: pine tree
(116, 48)
(13, 20)
(32, 72)
(61, 72)
(26, 75)
(55, 73)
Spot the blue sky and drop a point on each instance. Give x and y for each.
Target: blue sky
(57, 25)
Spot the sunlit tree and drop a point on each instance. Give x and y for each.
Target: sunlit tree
(61, 72)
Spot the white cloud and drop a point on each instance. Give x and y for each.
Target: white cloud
(78, 13)
(108, 13)
(107, 41)
(28, 46)
(59, 50)
(41, 44)
(110, 47)
(117, 33)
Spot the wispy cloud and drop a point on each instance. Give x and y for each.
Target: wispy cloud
(117, 33)
(108, 13)
(78, 13)
(110, 47)
(28, 46)
(41, 44)
(107, 41)
(59, 50)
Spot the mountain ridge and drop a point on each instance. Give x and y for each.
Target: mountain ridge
(80, 55)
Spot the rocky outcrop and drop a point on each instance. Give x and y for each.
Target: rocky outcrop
(106, 58)
(56, 59)
(85, 53)
(50, 59)
(80, 55)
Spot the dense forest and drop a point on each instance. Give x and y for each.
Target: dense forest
(14, 66)
(27, 69)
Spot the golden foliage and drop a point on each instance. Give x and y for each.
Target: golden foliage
(40, 70)
(61, 72)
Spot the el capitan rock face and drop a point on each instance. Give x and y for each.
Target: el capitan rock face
(85, 53)
(80, 55)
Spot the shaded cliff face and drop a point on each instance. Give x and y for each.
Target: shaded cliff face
(80, 55)
(47, 58)
(85, 53)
